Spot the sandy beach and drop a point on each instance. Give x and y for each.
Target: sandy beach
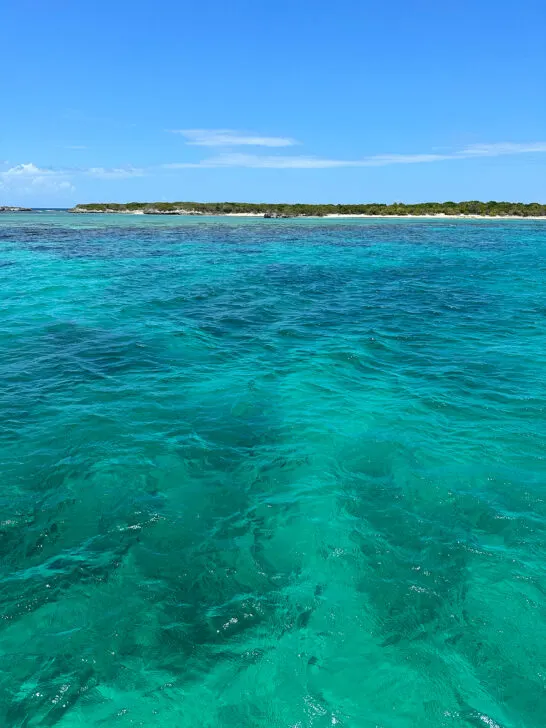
(332, 216)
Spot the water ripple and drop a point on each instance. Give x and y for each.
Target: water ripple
(286, 474)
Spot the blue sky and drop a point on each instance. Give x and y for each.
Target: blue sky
(313, 102)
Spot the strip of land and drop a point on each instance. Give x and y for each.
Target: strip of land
(281, 210)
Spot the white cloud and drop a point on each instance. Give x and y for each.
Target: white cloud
(28, 177)
(231, 138)
(255, 161)
(27, 170)
(28, 180)
(114, 172)
(22, 179)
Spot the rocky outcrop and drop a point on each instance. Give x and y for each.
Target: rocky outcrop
(145, 211)
(153, 211)
(8, 208)
(86, 211)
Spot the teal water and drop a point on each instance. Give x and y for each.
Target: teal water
(272, 473)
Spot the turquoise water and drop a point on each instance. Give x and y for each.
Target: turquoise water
(272, 473)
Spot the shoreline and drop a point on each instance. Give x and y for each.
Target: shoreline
(329, 216)
(439, 216)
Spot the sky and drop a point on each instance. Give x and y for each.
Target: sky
(369, 101)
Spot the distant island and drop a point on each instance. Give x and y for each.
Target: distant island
(280, 210)
(9, 208)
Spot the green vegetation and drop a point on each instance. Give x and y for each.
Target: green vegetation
(487, 209)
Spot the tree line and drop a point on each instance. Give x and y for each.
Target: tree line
(473, 207)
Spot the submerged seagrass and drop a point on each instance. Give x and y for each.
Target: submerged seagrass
(272, 475)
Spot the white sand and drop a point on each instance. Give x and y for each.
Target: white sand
(336, 215)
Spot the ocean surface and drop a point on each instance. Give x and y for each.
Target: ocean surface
(278, 473)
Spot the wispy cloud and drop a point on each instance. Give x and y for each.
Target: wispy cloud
(502, 148)
(75, 146)
(231, 138)
(256, 161)
(28, 178)
(114, 172)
